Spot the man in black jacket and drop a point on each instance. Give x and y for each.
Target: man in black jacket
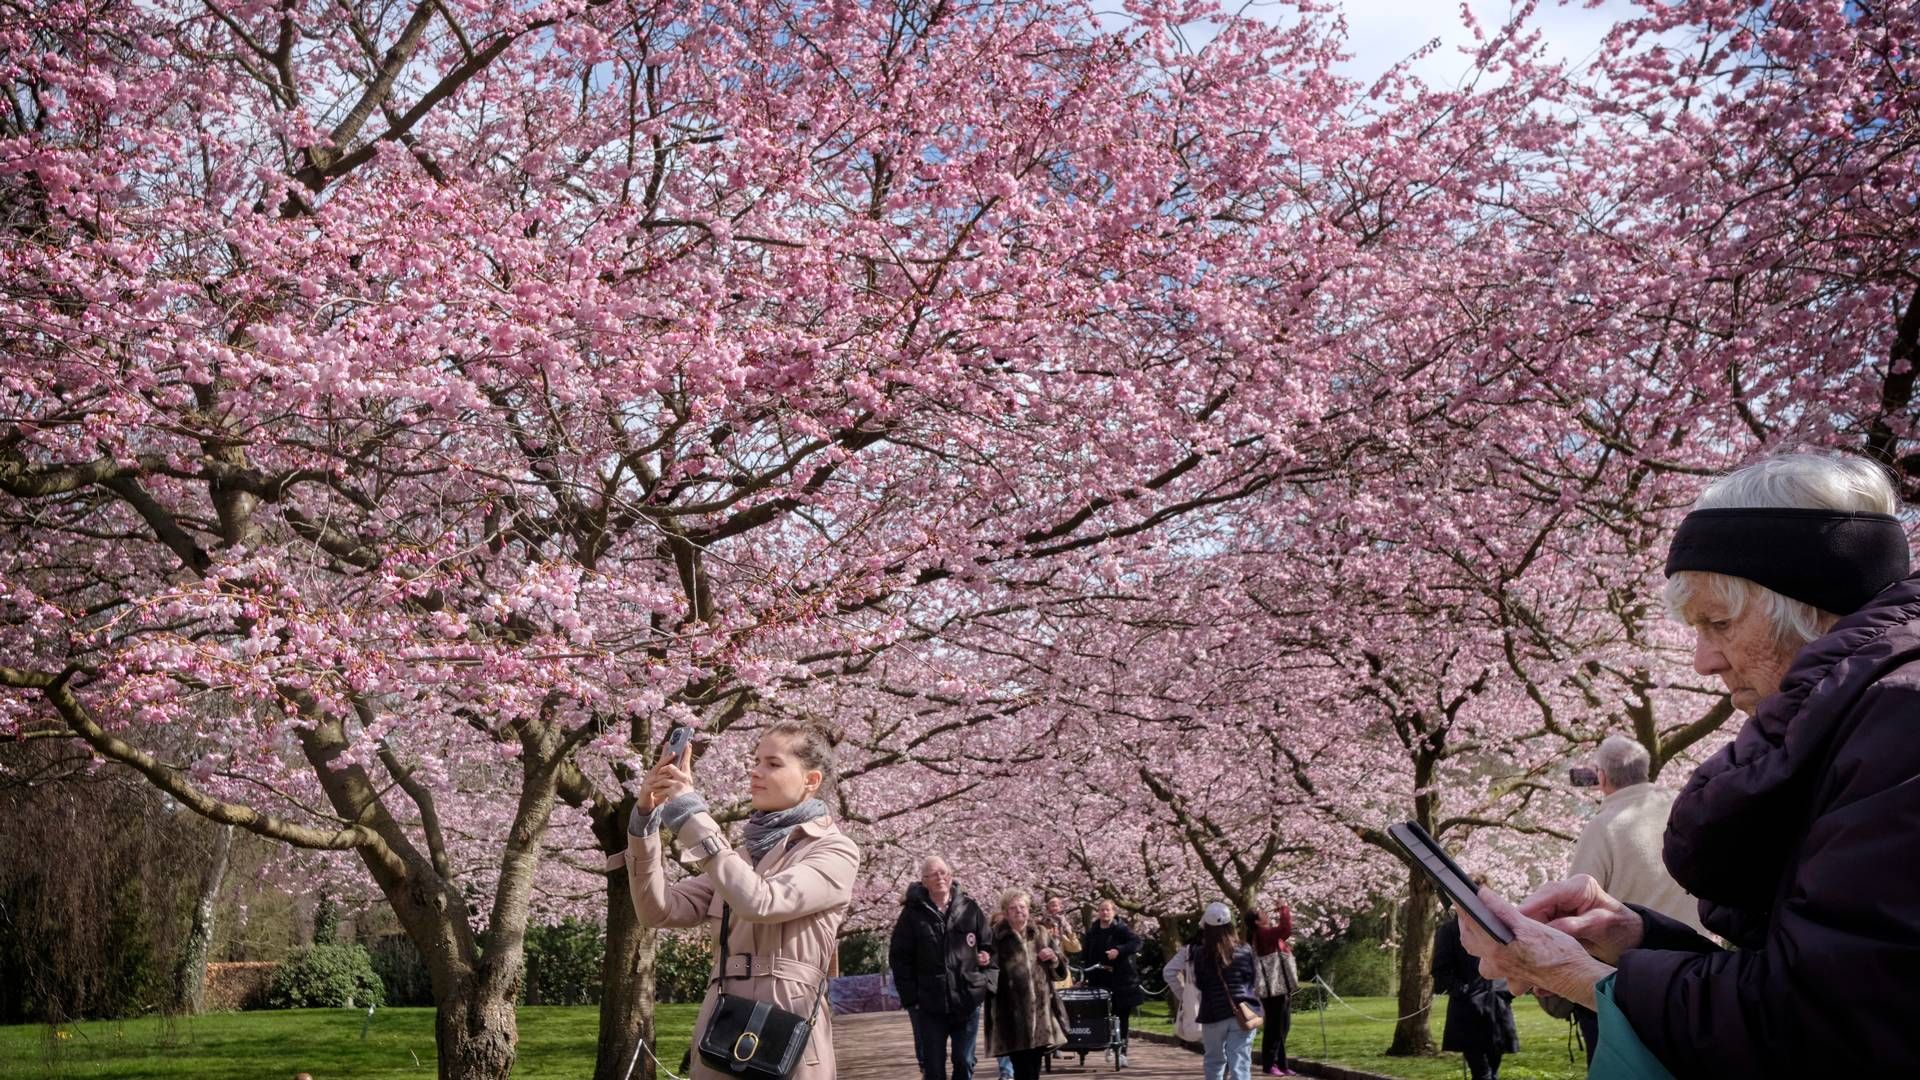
(1110, 947)
(942, 970)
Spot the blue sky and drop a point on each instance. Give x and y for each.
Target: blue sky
(1382, 32)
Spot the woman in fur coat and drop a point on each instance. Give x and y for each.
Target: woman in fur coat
(1025, 1017)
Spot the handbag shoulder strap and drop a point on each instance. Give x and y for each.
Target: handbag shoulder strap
(720, 947)
(1220, 973)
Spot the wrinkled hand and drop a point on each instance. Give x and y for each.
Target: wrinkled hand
(1539, 957)
(1581, 909)
(1113, 954)
(985, 958)
(1048, 955)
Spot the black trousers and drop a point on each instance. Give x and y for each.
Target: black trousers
(1589, 1029)
(1483, 1064)
(1126, 1022)
(1273, 1043)
(1026, 1064)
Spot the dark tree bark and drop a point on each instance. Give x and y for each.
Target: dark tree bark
(1413, 1035)
(626, 973)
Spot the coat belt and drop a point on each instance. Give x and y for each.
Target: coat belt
(744, 966)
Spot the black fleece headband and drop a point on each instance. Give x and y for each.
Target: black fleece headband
(1834, 560)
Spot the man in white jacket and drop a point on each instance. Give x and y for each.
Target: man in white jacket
(1178, 975)
(1621, 847)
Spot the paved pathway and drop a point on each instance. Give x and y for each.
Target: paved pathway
(879, 1046)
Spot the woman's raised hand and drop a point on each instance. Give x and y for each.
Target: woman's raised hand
(670, 777)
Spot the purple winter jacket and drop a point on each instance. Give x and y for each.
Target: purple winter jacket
(1802, 840)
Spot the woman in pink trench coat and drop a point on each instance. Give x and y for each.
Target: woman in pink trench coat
(789, 885)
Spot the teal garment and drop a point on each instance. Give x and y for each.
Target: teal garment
(1620, 1055)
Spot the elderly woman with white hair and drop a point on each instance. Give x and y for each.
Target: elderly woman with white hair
(1801, 837)
(1025, 1017)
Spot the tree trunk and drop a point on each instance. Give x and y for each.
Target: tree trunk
(190, 978)
(1173, 937)
(475, 1028)
(1413, 1035)
(626, 972)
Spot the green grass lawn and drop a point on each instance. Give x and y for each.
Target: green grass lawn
(1360, 1043)
(556, 1043)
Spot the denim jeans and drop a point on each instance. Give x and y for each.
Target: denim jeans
(1229, 1050)
(932, 1034)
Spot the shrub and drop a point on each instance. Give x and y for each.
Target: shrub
(682, 967)
(563, 963)
(402, 970)
(134, 976)
(326, 921)
(863, 952)
(1359, 966)
(326, 976)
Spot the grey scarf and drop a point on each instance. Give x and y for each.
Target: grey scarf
(767, 829)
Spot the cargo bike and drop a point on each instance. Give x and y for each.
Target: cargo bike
(1092, 1028)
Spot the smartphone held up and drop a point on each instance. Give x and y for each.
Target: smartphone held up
(677, 742)
(1426, 853)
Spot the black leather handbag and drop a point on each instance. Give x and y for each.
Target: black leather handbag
(754, 1038)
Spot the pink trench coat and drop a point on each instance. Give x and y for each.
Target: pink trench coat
(786, 920)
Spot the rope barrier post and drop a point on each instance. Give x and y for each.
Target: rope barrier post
(1325, 992)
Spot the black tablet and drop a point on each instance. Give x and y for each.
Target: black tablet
(1428, 855)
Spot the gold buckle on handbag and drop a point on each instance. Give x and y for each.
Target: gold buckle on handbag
(754, 1045)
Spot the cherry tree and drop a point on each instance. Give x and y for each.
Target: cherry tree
(415, 409)
(424, 406)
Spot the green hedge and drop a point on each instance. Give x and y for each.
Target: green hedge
(563, 963)
(682, 967)
(864, 952)
(1356, 962)
(326, 976)
(401, 969)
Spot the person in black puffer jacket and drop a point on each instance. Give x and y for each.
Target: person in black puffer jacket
(1801, 836)
(942, 969)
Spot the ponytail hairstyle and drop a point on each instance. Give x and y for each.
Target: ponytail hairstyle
(813, 742)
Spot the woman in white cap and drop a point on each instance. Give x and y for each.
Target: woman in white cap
(1223, 970)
